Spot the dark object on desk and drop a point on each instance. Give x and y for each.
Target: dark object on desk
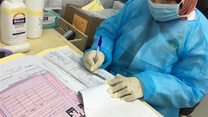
(5, 52)
(2, 54)
(69, 35)
(187, 111)
(202, 5)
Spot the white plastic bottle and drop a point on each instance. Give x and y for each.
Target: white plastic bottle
(13, 22)
(35, 18)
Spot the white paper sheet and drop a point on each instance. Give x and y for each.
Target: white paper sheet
(99, 103)
(73, 65)
(16, 66)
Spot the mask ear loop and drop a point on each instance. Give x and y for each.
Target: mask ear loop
(181, 5)
(179, 2)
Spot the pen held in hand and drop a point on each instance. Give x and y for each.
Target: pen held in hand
(98, 48)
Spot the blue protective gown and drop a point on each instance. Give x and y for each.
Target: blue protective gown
(169, 58)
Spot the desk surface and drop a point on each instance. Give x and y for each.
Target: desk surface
(50, 39)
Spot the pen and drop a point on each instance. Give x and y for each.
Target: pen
(98, 48)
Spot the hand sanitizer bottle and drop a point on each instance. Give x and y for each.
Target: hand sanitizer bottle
(13, 22)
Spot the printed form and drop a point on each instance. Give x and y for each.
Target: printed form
(25, 64)
(66, 64)
(63, 63)
(40, 95)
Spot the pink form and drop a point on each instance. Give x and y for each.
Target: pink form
(40, 96)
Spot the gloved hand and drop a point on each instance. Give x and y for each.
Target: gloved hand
(91, 64)
(128, 88)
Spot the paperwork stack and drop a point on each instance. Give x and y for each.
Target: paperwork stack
(46, 85)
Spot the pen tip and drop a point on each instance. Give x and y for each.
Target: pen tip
(100, 41)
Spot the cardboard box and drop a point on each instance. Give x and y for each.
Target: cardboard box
(80, 39)
(85, 23)
(50, 19)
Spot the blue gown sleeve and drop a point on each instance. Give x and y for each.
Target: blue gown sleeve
(187, 84)
(109, 29)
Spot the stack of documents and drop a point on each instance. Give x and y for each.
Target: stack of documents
(48, 84)
(44, 85)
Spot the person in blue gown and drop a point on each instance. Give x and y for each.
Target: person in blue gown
(158, 51)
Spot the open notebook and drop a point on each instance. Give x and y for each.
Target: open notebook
(64, 73)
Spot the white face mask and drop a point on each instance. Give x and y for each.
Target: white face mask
(164, 12)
